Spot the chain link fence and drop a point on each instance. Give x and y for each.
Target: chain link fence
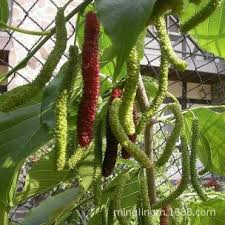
(201, 84)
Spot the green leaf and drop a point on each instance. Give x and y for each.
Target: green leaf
(211, 147)
(58, 207)
(122, 28)
(43, 177)
(48, 211)
(210, 34)
(97, 218)
(211, 212)
(151, 86)
(131, 190)
(20, 136)
(4, 11)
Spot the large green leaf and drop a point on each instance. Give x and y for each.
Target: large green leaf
(211, 148)
(4, 11)
(151, 86)
(20, 136)
(211, 212)
(43, 177)
(58, 207)
(211, 33)
(131, 190)
(47, 212)
(98, 218)
(123, 21)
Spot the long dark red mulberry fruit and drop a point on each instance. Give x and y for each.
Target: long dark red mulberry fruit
(125, 154)
(112, 143)
(91, 84)
(165, 213)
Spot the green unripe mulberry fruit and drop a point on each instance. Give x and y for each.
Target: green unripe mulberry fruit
(61, 130)
(185, 176)
(166, 46)
(171, 141)
(129, 93)
(123, 220)
(194, 144)
(160, 96)
(200, 16)
(145, 198)
(122, 137)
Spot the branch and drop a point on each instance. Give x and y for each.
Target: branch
(143, 103)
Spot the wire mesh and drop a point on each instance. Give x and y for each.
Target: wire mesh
(201, 84)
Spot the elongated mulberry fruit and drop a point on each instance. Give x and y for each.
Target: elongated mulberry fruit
(111, 142)
(194, 144)
(166, 46)
(165, 213)
(91, 84)
(122, 137)
(145, 199)
(20, 95)
(125, 154)
(129, 93)
(171, 141)
(61, 130)
(200, 16)
(160, 96)
(185, 176)
(117, 201)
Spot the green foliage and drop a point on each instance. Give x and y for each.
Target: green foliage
(110, 219)
(122, 28)
(213, 212)
(15, 146)
(4, 11)
(210, 33)
(43, 177)
(59, 207)
(129, 93)
(162, 7)
(50, 210)
(140, 218)
(171, 141)
(118, 34)
(196, 2)
(211, 145)
(98, 218)
(122, 137)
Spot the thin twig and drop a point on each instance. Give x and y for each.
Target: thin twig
(148, 139)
